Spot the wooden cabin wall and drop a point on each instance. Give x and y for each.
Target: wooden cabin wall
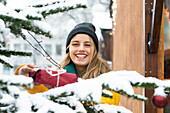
(130, 48)
(154, 61)
(128, 44)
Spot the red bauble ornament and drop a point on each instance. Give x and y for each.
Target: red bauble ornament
(159, 101)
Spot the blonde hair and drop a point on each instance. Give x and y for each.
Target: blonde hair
(96, 66)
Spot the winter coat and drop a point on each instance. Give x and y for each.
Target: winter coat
(71, 69)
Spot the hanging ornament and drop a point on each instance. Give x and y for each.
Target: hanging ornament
(159, 101)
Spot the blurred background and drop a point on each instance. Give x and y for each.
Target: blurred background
(97, 12)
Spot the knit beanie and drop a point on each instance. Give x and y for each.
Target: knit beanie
(85, 28)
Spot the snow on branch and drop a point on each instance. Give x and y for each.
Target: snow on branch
(83, 96)
(57, 7)
(31, 17)
(40, 104)
(41, 3)
(5, 63)
(19, 80)
(14, 20)
(138, 80)
(8, 53)
(93, 87)
(111, 109)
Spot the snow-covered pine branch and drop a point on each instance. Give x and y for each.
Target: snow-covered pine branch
(93, 87)
(69, 98)
(137, 80)
(16, 20)
(83, 96)
(54, 7)
(10, 89)
(8, 53)
(28, 16)
(5, 63)
(19, 80)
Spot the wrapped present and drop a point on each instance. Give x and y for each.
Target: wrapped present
(53, 78)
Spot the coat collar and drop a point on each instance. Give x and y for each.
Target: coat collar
(71, 69)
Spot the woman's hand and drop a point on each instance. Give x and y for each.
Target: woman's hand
(27, 70)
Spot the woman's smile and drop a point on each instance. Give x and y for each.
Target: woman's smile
(81, 56)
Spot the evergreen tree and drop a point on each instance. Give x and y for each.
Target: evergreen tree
(81, 97)
(18, 21)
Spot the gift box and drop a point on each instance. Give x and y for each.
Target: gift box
(53, 78)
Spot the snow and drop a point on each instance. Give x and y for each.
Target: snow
(19, 79)
(18, 3)
(107, 92)
(113, 79)
(95, 90)
(29, 12)
(160, 92)
(43, 104)
(10, 12)
(116, 82)
(135, 77)
(103, 20)
(112, 108)
(60, 5)
(2, 25)
(5, 32)
(73, 101)
(43, 25)
(27, 9)
(82, 90)
(6, 99)
(26, 5)
(24, 103)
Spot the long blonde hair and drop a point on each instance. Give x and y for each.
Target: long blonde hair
(96, 66)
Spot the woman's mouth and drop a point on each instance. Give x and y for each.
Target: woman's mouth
(81, 55)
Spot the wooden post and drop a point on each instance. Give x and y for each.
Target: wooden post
(154, 59)
(128, 44)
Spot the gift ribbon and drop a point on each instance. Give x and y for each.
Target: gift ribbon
(61, 71)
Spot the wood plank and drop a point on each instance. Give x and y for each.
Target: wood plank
(157, 26)
(161, 55)
(153, 61)
(161, 51)
(128, 44)
(150, 59)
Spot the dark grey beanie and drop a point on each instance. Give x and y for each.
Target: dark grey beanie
(85, 28)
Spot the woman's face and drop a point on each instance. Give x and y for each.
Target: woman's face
(81, 49)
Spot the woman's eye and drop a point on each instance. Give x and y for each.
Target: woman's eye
(75, 44)
(88, 45)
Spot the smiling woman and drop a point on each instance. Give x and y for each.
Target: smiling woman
(82, 52)
(82, 58)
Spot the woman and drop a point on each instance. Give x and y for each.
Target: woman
(82, 57)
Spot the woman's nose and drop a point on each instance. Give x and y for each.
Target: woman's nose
(81, 47)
